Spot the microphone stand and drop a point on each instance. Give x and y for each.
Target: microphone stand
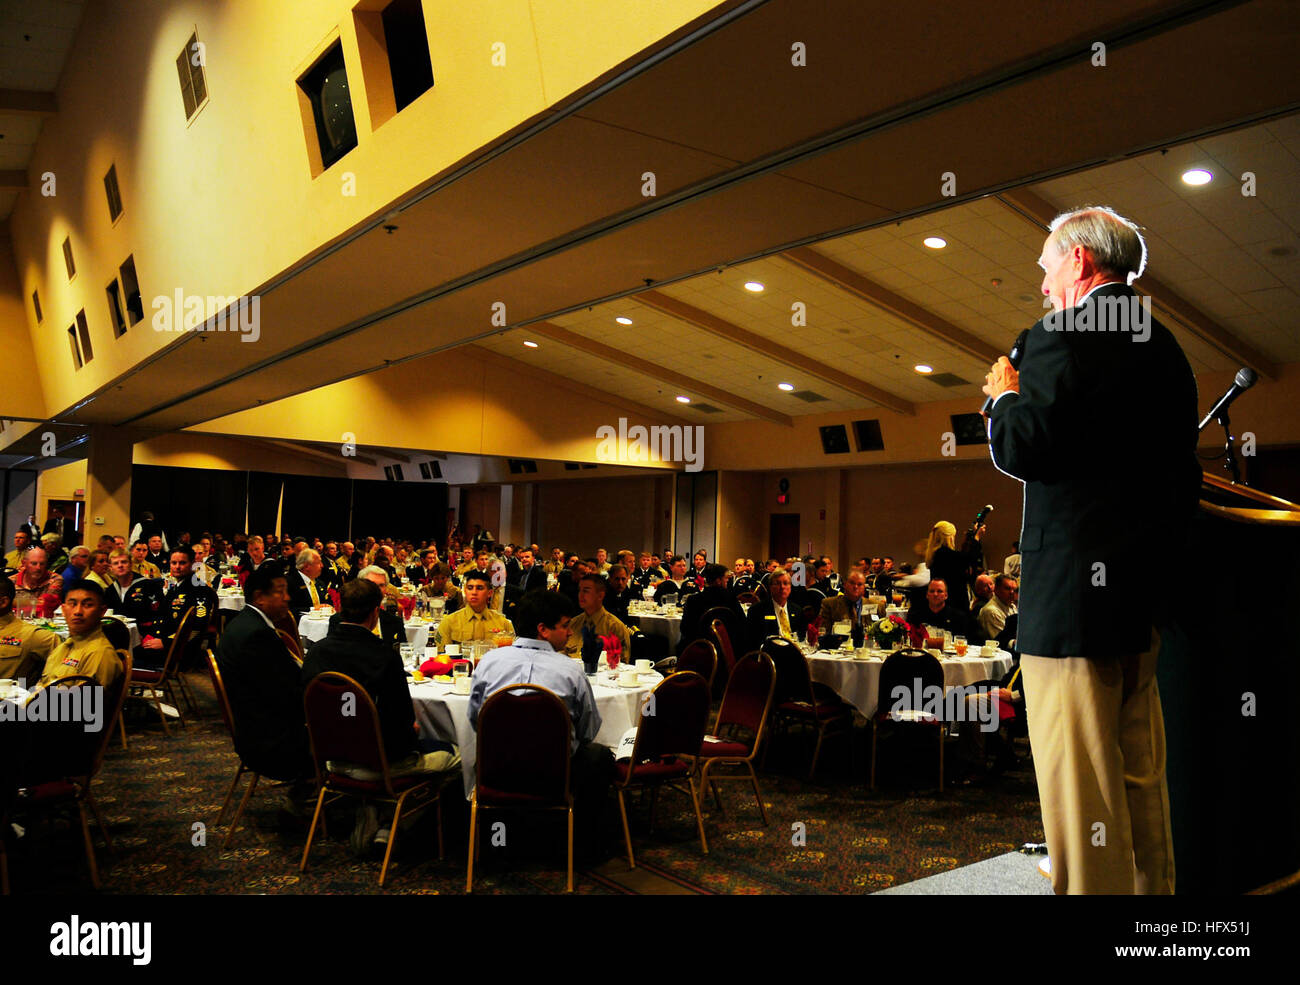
(1230, 450)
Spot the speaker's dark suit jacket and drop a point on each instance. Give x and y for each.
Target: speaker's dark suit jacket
(1103, 435)
(263, 682)
(759, 627)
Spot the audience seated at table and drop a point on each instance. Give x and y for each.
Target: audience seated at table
(775, 615)
(938, 613)
(474, 620)
(679, 584)
(264, 684)
(86, 650)
(24, 647)
(34, 580)
(619, 593)
(593, 618)
(851, 607)
(439, 586)
(715, 594)
(537, 657)
(352, 648)
(982, 590)
(307, 589)
(530, 575)
(993, 616)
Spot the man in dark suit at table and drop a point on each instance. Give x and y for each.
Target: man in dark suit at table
(531, 574)
(619, 592)
(776, 615)
(851, 607)
(262, 681)
(680, 584)
(938, 613)
(1099, 423)
(714, 595)
(307, 589)
(391, 628)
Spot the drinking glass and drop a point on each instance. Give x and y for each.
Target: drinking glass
(959, 642)
(611, 658)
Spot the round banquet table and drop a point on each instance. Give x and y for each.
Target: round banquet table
(444, 715)
(657, 625)
(234, 603)
(316, 628)
(858, 681)
(60, 629)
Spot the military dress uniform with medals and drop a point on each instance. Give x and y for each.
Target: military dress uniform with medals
(145, 602)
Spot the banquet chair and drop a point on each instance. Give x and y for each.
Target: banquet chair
(523, 761)
(647, 646)
(223, 701)
(914, 671)
(701, 657)
(154, 684)
(70, 760)
(747, 598)
(745, 707)
(355, 739)
(291, 643)
(119, 635)
(666, 747)
(799, 699)
(721, 633)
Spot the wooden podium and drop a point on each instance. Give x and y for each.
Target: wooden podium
(1229, 678)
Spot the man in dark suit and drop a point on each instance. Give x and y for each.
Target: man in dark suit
(352, 648)
(679, 584)
(775, 615)
(61, 525)
(421, 574)
(714, 595)
(262, 680)
(1099, 423)
(390, 628)
(938, 613)
(531, 575)
(619, 593)
(307, 589)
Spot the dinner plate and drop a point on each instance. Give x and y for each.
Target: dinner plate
(629, 684)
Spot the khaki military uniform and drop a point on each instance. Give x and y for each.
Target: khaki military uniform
(91, 654)
(465, 624)
(24, 648)
(604, 624)
(145, 570)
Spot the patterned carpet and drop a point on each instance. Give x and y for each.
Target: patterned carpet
(161, 798)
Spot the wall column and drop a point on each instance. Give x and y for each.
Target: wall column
(108, 481)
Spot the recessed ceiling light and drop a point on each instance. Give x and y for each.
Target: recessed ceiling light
(787, 387)
(623, 320)
(1197, 176)
(923, 368)
(683, 400)
(754, 287)
(935, 242)
(530, 343)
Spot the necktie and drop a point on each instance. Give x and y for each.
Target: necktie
(784, 621)
(315, 595)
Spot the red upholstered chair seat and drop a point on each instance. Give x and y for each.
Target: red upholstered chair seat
(375, 787)
(146, 675)
(723, 750)
(50, 791)
(654, 771)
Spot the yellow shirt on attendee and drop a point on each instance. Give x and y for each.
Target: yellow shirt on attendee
(465, 624)
(604, 624)
(146, 569)
(24, 649)
(92, 655)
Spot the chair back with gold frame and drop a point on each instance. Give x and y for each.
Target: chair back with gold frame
(701, 656)
(219, 686)
(292, 644)
(523, 760)
(676, 728)
(748, 697)
(721, 636)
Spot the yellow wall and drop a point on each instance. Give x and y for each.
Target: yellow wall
(60, 483)
(20, 394)
(585, 514)
(222, 204)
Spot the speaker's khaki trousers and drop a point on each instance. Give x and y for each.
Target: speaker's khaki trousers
(1099, 754)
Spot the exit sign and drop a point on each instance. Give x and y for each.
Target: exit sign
(78, 492)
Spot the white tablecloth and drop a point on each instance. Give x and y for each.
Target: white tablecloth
(858, 681)
(316, 628)
(669, 626)
(61, 631)
(444, 715)
(232, 602)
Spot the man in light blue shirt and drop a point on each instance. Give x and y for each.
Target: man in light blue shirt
(537, 657)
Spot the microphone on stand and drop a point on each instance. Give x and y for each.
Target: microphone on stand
(1244, 380)
(1014, 356)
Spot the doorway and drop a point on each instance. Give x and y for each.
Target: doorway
(74, 516)
(784, 536)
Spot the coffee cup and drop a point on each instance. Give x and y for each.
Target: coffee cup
(644, 666)
(628, 678)
(453, 650)
(462, 684)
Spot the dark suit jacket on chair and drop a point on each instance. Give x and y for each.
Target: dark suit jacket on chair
(263, 682)
(1103, 434)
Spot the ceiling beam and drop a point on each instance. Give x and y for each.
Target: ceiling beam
(24, 101)
(723, 329)
(1033, 208)
(865, 289)
(13, 181)
(394, 455)
(334, 458)
(545, 377)
(622, 357)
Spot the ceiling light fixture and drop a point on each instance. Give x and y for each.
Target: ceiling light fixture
(1197, 176)
(683, 400)
(530, 343)
(787, 387)
(754, 287)
(935, 242)
(923, 368)
(623, 320)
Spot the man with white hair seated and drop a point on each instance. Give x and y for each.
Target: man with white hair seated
(390, 628)
(306, 588)
(35, 579)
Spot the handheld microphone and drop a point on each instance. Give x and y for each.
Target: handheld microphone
(981, 515)
(1244, 380)
(1014, 356)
